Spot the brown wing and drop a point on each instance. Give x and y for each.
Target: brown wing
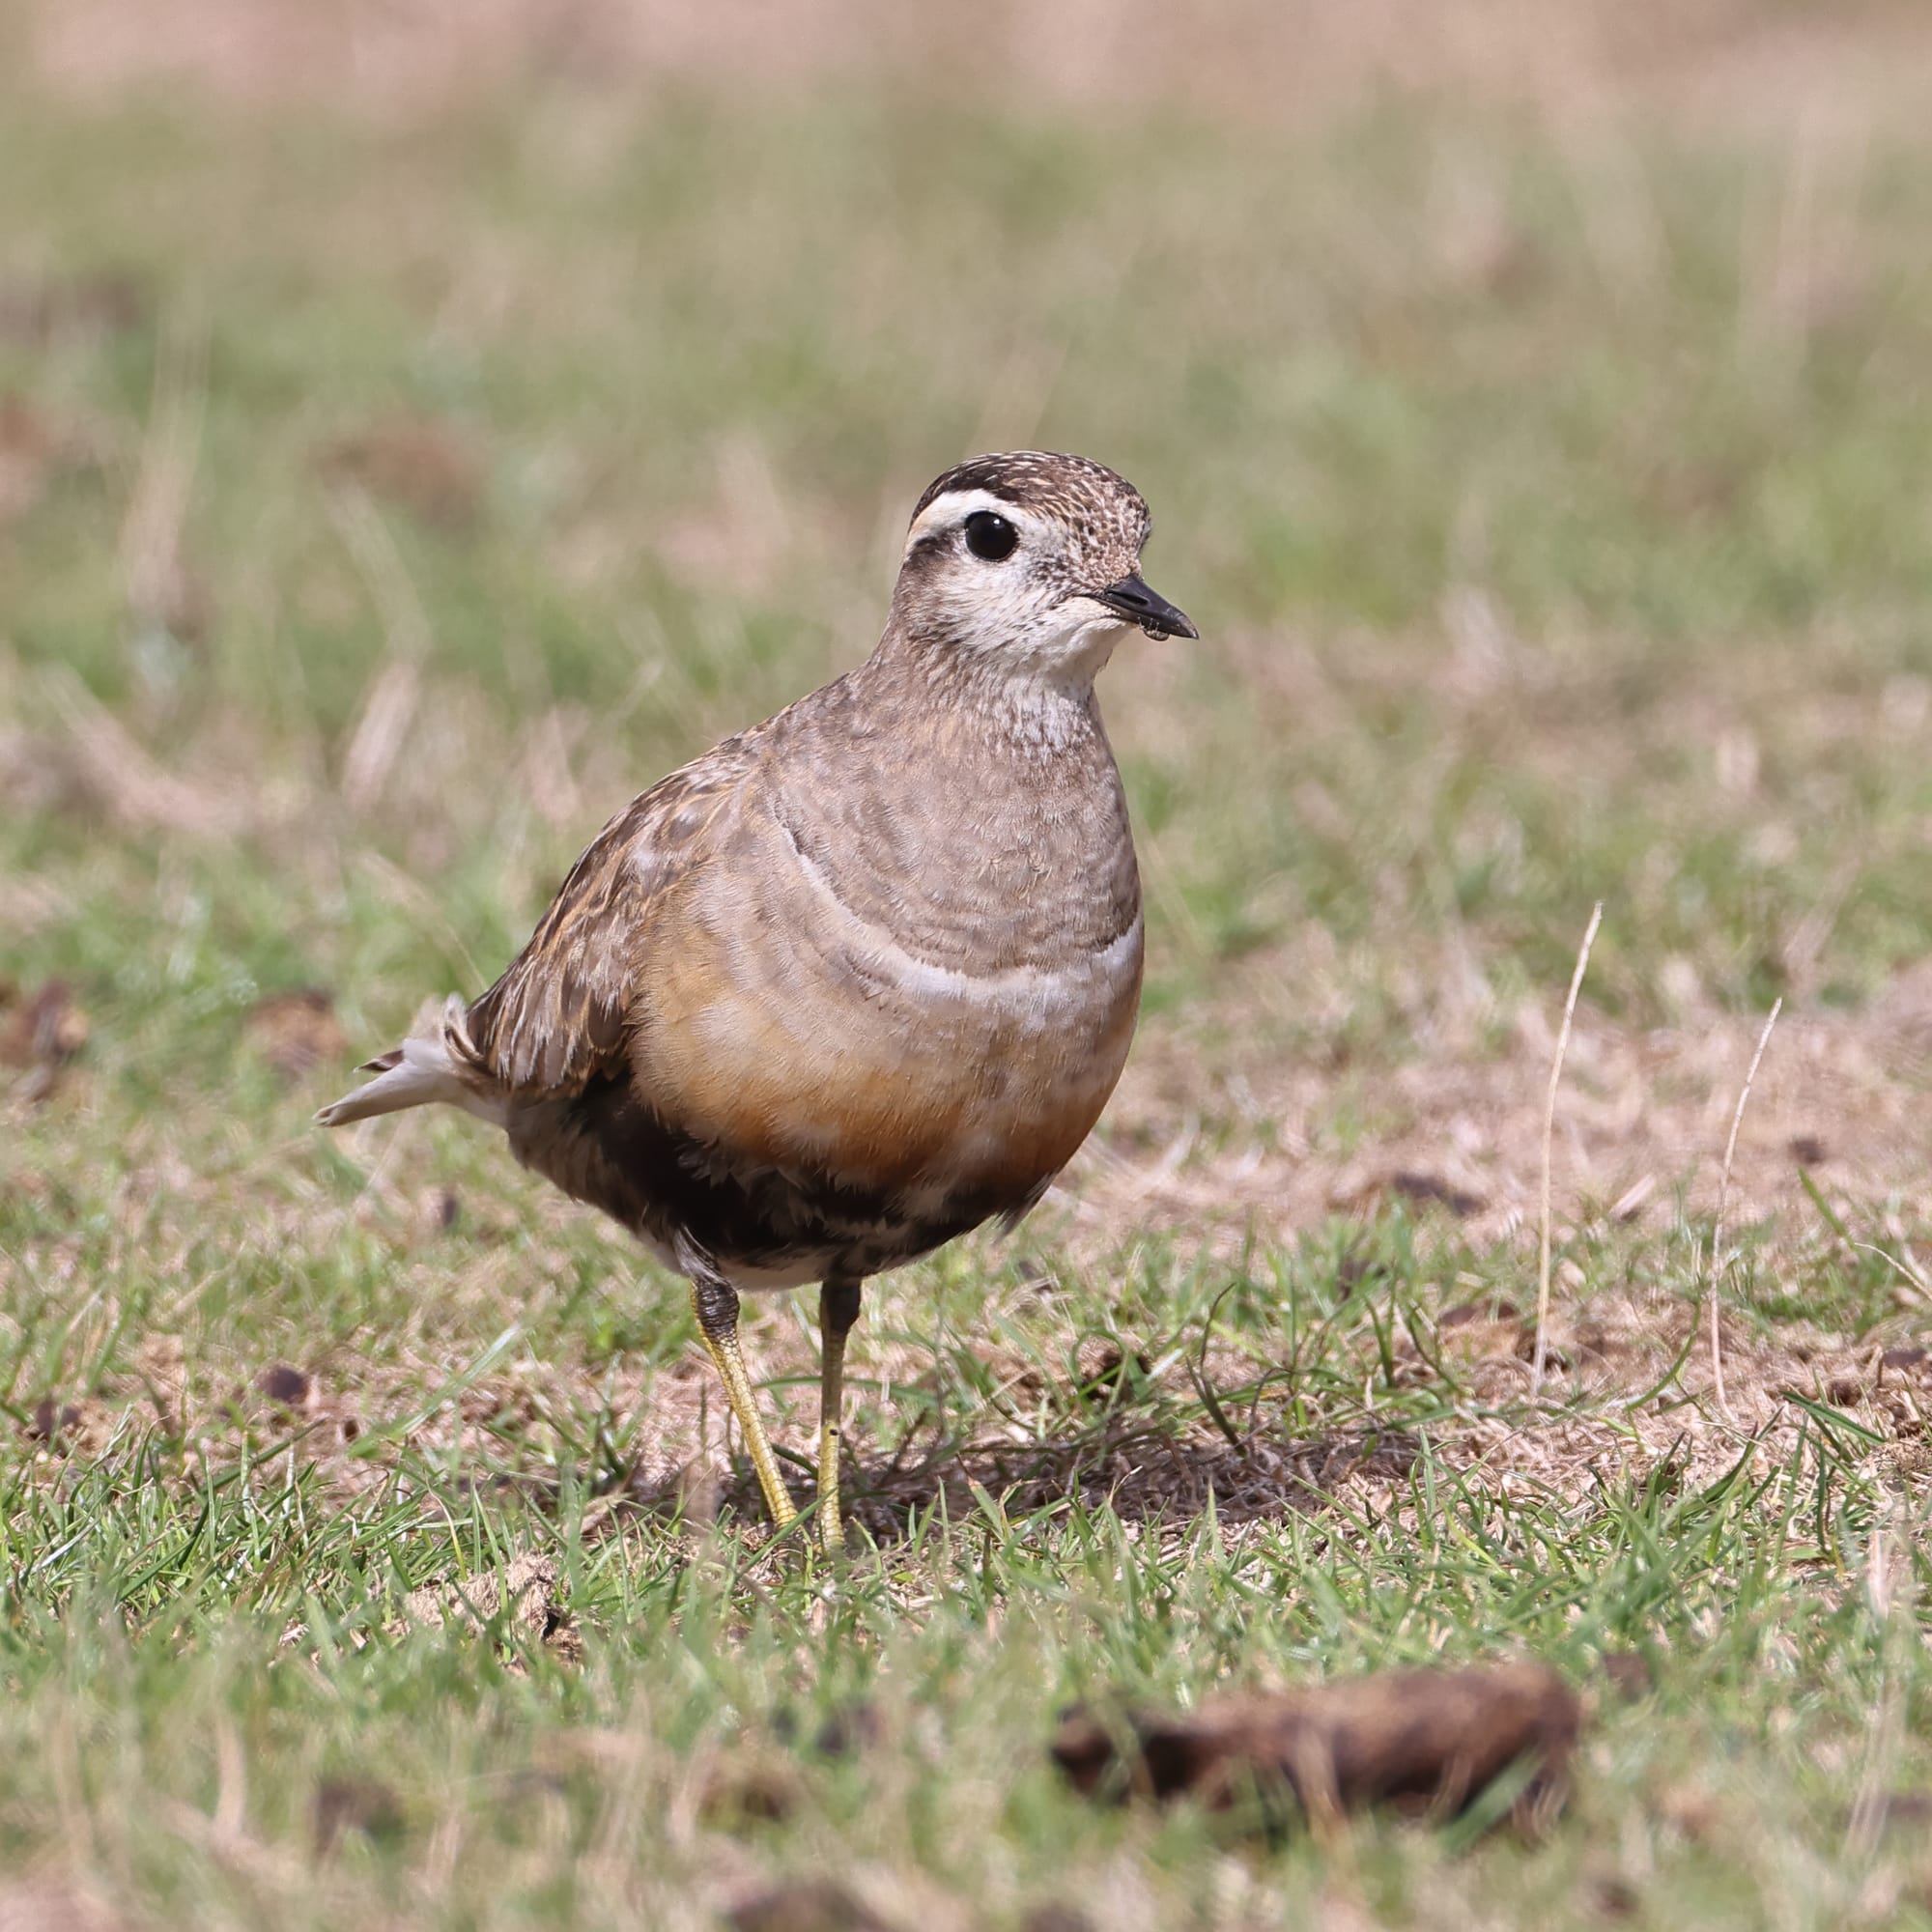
(560, 1013)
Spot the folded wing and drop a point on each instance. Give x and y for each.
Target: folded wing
(560, 1014)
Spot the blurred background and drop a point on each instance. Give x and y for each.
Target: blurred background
(423, 424)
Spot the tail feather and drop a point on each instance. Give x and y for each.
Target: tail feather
(421, 1072)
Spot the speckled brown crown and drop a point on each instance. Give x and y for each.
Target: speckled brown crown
(1075, 489)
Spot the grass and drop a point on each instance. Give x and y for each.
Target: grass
(198, 1644)
(381, 505)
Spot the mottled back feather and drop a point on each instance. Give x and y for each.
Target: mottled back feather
(559, 1016)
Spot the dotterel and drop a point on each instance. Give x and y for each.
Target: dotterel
(864, 976)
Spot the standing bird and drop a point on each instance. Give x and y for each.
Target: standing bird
(862, 977)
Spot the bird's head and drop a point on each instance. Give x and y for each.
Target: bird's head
(1030, 563)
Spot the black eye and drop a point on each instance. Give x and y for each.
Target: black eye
(990, 536)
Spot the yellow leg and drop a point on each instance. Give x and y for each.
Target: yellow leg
(714, 1303)
(837, 1310)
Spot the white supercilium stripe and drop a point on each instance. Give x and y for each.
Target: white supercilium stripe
(954, 506)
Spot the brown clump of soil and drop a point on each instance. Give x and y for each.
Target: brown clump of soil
(1426, 1741)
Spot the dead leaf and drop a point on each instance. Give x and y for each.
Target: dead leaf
(34, 312)
(1466, 1312)
(1629, 1676)
(345, 1804)
(524, 1594)
(283, 1384)
(295, 1031)
(1420, 1739)
(845, 1730)
(30, 451)
(1358, 1188)
(1109, 1375)
(848, 1729)
(805, 1905)
(45, 1028)
(756, 1791)
(1900, 1811)
(51, 1420)
(422, 466)
(1425, 1189)
(1614, 1896)
(42, 1034)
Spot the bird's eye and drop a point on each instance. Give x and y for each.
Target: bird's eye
(990, 536)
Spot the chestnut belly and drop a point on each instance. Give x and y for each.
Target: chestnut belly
(887, 1071)
(798, 1118)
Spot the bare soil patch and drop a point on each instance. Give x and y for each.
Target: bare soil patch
(1642, 1123)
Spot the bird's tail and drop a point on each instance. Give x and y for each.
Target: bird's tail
(434, 1063)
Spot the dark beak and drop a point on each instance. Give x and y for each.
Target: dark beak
(1147, 609)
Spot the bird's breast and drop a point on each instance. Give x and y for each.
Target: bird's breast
(781, 1026)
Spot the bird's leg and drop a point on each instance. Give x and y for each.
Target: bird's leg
(837, 1310)
(714, 1303)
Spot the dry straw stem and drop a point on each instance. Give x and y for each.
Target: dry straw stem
(1548, 1135)
(153, 569)
(1719, 1269)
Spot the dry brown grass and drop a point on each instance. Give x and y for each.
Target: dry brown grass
(1640, 1126)
(1297, 63)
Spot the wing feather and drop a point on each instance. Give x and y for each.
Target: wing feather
(561, 1012)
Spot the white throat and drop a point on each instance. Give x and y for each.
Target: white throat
(1012, 641)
